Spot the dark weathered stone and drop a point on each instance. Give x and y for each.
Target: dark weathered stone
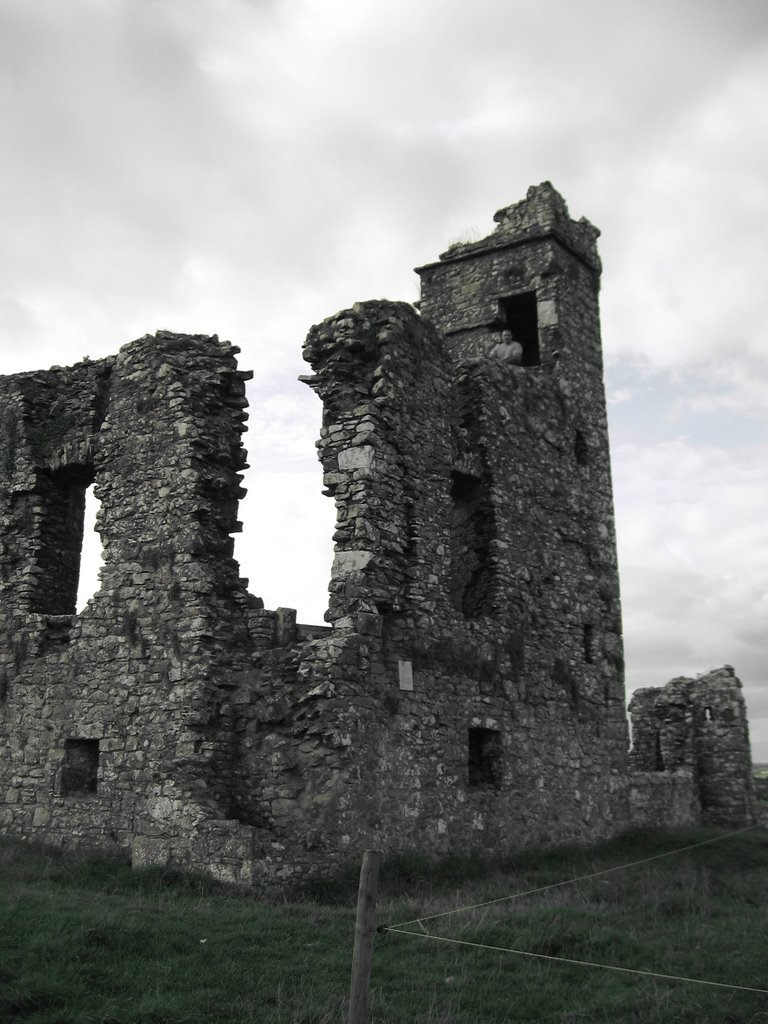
(696, 728)
(467, 691)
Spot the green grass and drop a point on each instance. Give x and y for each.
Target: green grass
(88, 941)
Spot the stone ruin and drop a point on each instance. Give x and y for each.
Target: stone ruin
(467, 690)
(692, 730)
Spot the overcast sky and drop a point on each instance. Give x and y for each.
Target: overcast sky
(249, 167)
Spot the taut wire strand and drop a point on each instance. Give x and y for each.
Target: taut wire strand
(569, 881)
(578, 963)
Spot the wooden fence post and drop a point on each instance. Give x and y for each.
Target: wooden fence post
(359, 996)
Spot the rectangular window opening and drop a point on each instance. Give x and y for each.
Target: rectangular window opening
(472, 530)
(60, 540)
(520, 314)
(79, 773)
(580, 449)
(91, 552)
(484, 758)
(659, 765)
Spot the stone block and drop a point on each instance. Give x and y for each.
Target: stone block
(547, 313)
(345, 562)
(41, 816)
(359, 457)
(405, 674)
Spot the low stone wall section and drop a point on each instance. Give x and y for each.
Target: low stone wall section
(663, 798)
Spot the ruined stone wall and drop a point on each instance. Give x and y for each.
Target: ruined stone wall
(663, 798)
(106, 719)
(467, 690)
(449, 687)
(694, 728)
(475, 569)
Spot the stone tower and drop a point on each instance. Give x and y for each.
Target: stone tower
(536, 434)
(475, 535)
(539, 276)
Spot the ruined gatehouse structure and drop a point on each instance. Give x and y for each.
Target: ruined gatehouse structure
(466, 691)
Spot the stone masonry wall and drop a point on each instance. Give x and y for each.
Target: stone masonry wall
(499, 677)
(124, 684)
(467, 689)
(694, 727)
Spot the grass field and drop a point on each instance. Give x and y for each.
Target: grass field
(88, 941)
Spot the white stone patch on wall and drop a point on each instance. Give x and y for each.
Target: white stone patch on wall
(160, 807)
(405, 674)
(484, 723)
(547, 313)
(359, 457)
(350, 561)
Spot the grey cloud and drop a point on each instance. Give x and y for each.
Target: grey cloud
(141, 149)
(250, 168)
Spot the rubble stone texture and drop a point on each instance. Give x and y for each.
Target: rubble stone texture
(698, 728)
(467, 691)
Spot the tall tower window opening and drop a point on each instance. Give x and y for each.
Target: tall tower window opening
(519, 313)
(471, 581)
(580, 449)
(658, 754)
(91, 557)
(61, 540)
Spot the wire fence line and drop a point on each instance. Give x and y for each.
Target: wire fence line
(568, 881)
(578, 963)
(403, 929)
